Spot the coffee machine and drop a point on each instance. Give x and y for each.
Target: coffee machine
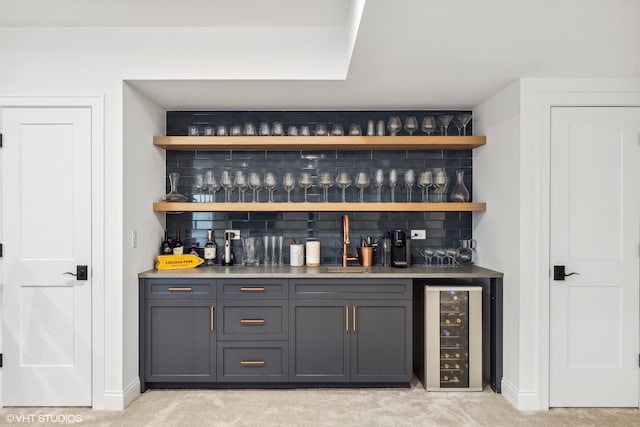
(400, 249)
(228, 257)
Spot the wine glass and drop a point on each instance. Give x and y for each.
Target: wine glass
(343, 181)
(199, 184)
(441, 254)
(227, 184)
(305, 181)
(270, 183)
(326, 181)
(445, 120)
(288, 183)
(428, 125)
(394, 125)
(464, 120)
(393, 181)
(440, 181)
(428, 254)
(409, 180)
(255, 183)
(378, 181)
(451, 257)
(240, 181)
(424, 182)
(411, 124)
(362, 182)
(212, 185)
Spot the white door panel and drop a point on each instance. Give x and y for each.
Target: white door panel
(46, 226)
(595, 231)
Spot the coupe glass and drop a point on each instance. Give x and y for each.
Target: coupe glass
(343, 181)
(326, 182)
(394, 125)
(409, 180)
(378, 181)
(270, 183)
(428, 254)
(362, 182)
(255, 183)
(305, 181)
(393, 181)
(424, 182)
(428, 125)
(445, 120)
(411, 124)
(288, 183)
(227, 184)
(464, 120)
(240, 181)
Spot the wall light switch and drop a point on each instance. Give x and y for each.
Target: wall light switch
(418, 234)
(134, 238)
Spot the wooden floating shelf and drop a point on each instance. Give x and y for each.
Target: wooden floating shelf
(295, 143)
(319, 207)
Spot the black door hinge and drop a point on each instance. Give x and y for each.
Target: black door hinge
(1, 251)
(0, 360)
(0, 140)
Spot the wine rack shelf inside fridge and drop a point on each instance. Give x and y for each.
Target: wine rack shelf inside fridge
(453, 341)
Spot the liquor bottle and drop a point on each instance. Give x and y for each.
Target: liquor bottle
(194, 250)
(210, 249)
(165, 246)
(178, 249)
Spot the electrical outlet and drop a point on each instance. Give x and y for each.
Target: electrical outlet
(418, 234)
(236, 234)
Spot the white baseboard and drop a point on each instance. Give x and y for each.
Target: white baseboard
(521, 400)
(119, 400)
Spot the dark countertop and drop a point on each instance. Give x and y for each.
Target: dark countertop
(332, 271)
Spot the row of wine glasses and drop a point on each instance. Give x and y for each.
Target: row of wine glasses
(429, 124)
(440, 257)
(207, 184)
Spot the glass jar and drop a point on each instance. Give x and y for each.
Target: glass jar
(459, 192)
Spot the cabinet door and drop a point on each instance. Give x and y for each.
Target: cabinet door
(180, 341)
(318, 341)
(381, 341)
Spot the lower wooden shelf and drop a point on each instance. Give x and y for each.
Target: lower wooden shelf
(320, 207)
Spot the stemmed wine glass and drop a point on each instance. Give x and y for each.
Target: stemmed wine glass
(463, 120)
(428, 254)
(445, 120)
(343, 181)
(240, 181)
(227, 184)
(394, 125)
(440, 181)
(409, 180)
(424, 182)
(326, 181)
(305, 181)
(362, 182)
(428, 125)
(270, 183)
(288, 183)
(199, 184)
(411, 124)
(393, 181)
(378, 181)
(255, 183)
(212, 184)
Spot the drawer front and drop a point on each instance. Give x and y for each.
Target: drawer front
(252, 289)
(350, 288)
(256, 361)
(180, 288)
(251, 320)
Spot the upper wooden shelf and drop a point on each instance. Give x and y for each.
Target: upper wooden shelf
(320, 207)
(294, 143)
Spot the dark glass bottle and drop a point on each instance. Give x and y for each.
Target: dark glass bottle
(210, 249)
(166, 247)
(178, 248)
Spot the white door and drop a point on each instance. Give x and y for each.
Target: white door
(595, 231)
(46, 231)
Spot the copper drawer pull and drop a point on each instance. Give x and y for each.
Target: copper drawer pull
(346, 318)
(255, 289)
(252, 362)
(187, 289)
(355, 324)
(211, 316)
(252, 321)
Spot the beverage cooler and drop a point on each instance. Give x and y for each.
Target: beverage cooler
(453, 338)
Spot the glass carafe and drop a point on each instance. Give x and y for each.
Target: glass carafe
(173, 195)
(467, 254)
(459, 192)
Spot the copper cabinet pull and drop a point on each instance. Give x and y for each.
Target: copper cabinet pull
(185, 289)
(252, 289)
(252, 363)
(211, 316)
(355, 325)
(346, 318)
(252, 321)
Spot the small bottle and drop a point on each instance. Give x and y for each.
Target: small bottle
(165, 246)
(194, 250)
(210, 249)
(178, 248)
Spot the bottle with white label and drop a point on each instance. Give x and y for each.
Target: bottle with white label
(178, 249)
(210, 249)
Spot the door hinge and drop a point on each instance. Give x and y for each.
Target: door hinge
(0, 140)
(0, 360)
(1, 250)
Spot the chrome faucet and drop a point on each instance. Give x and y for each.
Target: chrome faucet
(345, 242)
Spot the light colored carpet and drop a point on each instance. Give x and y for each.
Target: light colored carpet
(321, 407)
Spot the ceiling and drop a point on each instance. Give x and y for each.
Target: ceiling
(397, 53)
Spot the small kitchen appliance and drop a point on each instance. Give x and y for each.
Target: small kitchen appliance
(228, 256)
(400, 249)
